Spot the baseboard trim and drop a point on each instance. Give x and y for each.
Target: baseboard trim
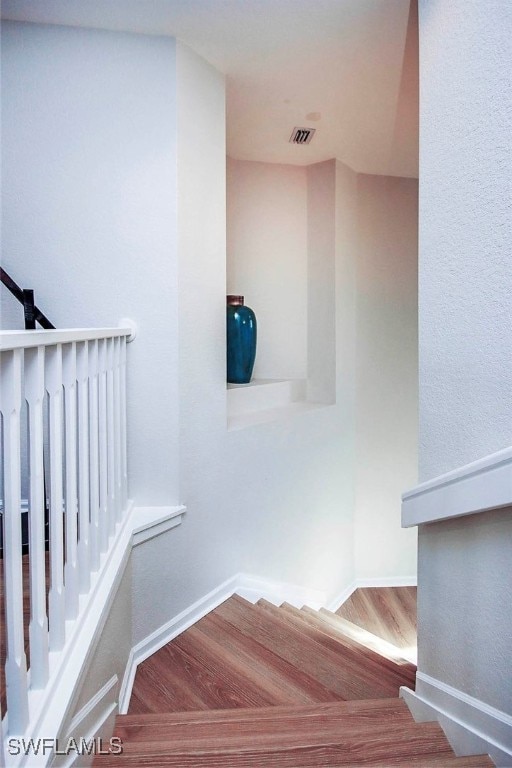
(93, 720)
(82, 719)
(254, 588)
(167, 632)
(385, 581)
(471, 726)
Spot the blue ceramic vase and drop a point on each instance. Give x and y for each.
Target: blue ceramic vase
(241, 340)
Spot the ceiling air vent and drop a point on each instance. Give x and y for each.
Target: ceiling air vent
(302, 135)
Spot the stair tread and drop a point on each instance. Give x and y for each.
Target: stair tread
(290, 684)
(339, 669)
(203, 676)
(365, 637)
(404, 674)
(388, 612)
(145, 726)
(369, 665)
(303, 740)
(314, 757)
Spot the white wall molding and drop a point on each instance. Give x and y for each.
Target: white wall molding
(82, 720)
(152, 521)
(254, 588)
(471, 725)
(477, 487)
(385, 581)
(89, 723)
(168, 631)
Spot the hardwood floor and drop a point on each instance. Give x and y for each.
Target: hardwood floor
(244, 655)
(388, 612)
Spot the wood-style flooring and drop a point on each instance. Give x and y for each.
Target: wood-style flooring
(256, 686)
(388, 612)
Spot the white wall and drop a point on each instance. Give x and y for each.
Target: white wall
(465, 326)
(465, 233)
(89, 208)
(267, 260)
(386, 373)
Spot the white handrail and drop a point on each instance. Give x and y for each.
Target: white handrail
(42, 338)
(74, 382)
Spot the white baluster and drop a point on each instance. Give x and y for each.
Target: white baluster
(82, 363)
(103, 458)
(111, 484)
(56, 597)
(38, 630)
(117, 427)
(71, 499)
(124, 468)
(16, 663)
(94, 470)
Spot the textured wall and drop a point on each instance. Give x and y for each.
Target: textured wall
(464, 619)
(465, 236)
(465, 324)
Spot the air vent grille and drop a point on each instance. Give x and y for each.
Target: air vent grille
(302, 135)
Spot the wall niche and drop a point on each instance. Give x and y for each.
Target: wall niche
(281, 258)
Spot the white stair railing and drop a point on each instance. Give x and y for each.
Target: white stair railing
(74, 386)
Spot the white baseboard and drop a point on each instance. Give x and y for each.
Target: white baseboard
(95, 719)
(386, 581)
(254, 588)
(472, 727)
(168, 632)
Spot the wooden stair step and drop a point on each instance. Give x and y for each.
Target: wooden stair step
(363, 636)
(289, 684)
(149, 727)
(404, 672)
(315, 757)
(292, 646)
(360, 658)
(292, 740)
(351, 677)
(205, 673)
(388, 612)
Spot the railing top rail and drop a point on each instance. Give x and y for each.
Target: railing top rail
(43, 338)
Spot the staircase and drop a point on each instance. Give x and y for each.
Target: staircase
(257, 686)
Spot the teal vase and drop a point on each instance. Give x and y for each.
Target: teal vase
(241, 341)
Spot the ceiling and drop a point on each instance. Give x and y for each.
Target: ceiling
(345, 67)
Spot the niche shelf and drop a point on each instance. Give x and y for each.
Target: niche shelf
(265, 400)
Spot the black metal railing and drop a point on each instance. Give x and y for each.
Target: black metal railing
(25, 296)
